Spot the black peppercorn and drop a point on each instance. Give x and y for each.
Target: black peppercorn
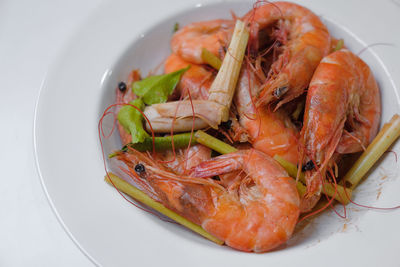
(122, 86)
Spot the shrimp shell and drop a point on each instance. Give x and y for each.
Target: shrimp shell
(342, 112)
(307, 42)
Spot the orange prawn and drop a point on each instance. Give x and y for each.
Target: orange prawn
(197, 79)
(303, 42)
(259, 215)
(213, 35)
(270, 132)
(342, 113)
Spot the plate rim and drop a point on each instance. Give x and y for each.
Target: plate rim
(61, 52)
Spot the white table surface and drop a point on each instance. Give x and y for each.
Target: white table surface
(31, 34)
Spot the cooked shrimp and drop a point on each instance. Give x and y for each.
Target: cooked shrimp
(342, 112)
(259, 215)
(270, 132)
(304, 43)
(197, 79)
(262, 213)
(184, 159)
(213, 35)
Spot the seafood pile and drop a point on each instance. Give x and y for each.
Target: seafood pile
(281, 86)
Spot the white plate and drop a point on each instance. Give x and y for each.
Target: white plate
(121, 36)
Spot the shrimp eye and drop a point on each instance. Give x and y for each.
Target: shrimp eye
(280, 91)
(216, 178)
(226, 125)
(139, 168)
(308, 166)
(122, 86)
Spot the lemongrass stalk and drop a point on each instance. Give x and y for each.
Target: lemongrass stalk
(213, 143)
(302, 189)
(180, 125)
(343, 195)
(297, 112)
(328, 188)
(165, 142)
(385, 138)
(211, 59)
(179, 115)
(223, 87)
(176, 27)
(135, 193)
(339, 45)
(290, 168)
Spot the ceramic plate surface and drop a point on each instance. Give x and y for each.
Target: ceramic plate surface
(121, 36)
